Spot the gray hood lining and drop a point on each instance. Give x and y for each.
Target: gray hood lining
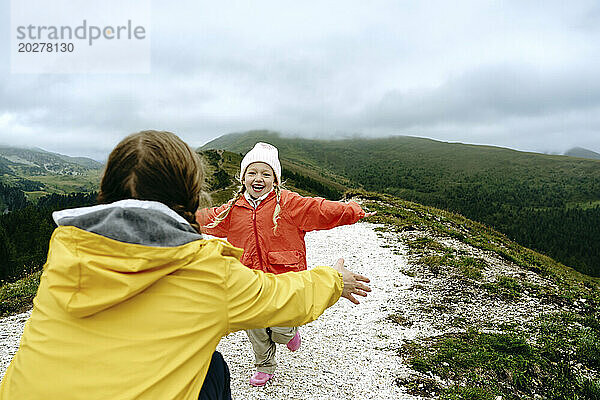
(135, 222)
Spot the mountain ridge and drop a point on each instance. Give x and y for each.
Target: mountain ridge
(582, 153)
(225, 141)
(34, 156)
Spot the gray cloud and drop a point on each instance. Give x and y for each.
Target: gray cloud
(489, 94)
(507, 73)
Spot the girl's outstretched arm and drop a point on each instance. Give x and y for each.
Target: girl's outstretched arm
(314, 213)
(205, 216)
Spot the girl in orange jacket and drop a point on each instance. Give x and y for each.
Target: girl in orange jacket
(269, 223)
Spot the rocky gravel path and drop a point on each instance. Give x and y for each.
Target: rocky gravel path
(349, 352)
(11, 329)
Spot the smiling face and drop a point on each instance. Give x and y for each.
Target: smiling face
(258, 179)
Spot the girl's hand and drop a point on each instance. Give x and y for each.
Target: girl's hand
(370, 214)
(353, 283)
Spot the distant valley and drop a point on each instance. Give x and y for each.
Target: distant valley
(37, 172)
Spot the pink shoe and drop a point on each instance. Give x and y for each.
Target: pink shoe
(295, 343)
(260, 378)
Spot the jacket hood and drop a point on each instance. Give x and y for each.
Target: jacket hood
(103, 255)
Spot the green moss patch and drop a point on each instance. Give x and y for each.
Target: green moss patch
(558, 364)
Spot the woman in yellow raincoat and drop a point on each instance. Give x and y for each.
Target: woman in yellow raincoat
(133, 301)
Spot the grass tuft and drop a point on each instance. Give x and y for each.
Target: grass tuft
(17, 297)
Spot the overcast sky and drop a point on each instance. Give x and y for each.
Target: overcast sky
(520, 74)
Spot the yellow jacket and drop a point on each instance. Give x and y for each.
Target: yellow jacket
(122, 320)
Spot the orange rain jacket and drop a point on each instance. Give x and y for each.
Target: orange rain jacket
(284, 250)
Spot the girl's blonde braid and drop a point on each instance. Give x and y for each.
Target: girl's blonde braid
(225, 212)
(277, 208)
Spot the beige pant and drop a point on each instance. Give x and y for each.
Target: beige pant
(263, 343)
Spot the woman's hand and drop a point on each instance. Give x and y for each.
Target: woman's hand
(353, 283)
(370, 214)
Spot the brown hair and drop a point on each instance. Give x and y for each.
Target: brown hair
(155, 165)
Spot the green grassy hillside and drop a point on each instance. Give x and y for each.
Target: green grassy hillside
(464, 268)
(37, 173)
(547, 202)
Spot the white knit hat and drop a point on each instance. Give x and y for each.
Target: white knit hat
(262, 152)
